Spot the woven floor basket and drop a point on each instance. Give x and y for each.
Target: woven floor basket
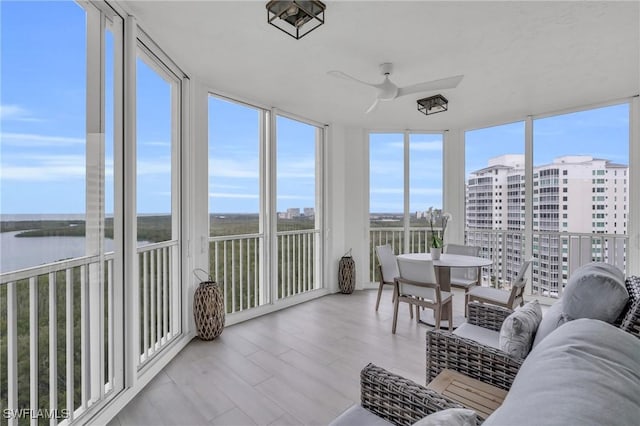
(208, 310)
(347, 274)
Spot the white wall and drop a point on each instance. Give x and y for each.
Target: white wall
(347, 202)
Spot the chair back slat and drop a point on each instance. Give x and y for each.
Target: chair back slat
(388, 263)
(466, 273)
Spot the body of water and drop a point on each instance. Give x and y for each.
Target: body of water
(19, 253)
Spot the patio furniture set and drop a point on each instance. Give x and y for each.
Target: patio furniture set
(579, 363)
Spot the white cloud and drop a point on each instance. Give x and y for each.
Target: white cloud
(156, 167)
(30, 139)
(45, 168)
(16, 113)
(156, 143)
(231, 168)
(295, 197)
(435, 146)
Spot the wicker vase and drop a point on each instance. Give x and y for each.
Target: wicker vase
(208, 310)
(347, 274)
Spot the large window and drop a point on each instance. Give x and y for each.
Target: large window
(577, 207)
(158, 127)
(60, 133)
(398, 216)
(297, 205)
(580, 193)
(495, 198)
(235, 202)
(260, 258)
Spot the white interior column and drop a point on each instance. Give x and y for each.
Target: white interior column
(453, 184)
(633, 219)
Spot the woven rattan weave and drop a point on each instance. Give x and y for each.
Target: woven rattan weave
(208, 310)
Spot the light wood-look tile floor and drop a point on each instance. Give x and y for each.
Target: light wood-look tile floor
(298, 366)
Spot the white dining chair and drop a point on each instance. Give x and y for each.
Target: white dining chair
(417, 285)
(508, 299)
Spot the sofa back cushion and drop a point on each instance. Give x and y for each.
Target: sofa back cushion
(551, 320)
(595, 290)
(518, 329)
(586, 372)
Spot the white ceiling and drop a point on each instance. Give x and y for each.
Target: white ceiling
(518, 58)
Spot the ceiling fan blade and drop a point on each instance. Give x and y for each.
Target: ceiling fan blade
(431, 86)
(344, 76)
(373, 106)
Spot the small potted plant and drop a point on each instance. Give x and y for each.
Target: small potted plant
(437, 241)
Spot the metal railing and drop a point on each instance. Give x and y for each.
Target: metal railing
(556, 254)
(235, 264)
(58, 334)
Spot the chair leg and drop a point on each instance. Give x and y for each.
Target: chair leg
(437, 316)
(411, 310)
(395, 315)
(379, 295)
(417, 313)
(450, 312)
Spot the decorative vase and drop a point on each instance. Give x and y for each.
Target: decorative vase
(435, 253)
(208, 310)
(347, 274)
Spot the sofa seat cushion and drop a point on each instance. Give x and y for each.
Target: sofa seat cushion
(357, 415)
(586, 372)
(479, 334)
(595, 290)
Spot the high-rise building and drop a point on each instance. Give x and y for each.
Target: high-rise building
(574, 197)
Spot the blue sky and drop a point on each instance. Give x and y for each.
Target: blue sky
(42, 129)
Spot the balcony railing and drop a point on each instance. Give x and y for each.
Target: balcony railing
(57, 330)
(419, 242)
(556, 254)
(234, 263)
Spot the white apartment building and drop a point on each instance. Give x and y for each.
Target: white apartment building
(574, 197)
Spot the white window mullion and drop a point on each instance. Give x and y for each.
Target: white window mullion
(406, 189)
(633, 220)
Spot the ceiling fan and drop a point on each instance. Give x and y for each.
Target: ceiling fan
(388, 90)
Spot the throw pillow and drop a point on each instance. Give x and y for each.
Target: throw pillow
(595, 290)
(449, 417)
(518, 329)
(551, 320)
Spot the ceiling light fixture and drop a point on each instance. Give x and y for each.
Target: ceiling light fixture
(433, 104)
(296, 17)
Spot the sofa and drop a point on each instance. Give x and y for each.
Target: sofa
(580, 371)
(586, 372)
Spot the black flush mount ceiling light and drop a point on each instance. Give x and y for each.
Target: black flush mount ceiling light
(296, 17)
(433, 104)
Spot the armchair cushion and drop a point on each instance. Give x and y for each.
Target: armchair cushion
(479, 334)
(595, 290)
(500, 296)
(450, 417)
(356, 415)
(518, 329)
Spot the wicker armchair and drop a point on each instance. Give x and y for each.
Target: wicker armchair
(630, 322)
(399, 400)
(466, 356)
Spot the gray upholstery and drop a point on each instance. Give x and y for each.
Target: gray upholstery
(586, 372)
(356, 415)
(518, 329)
(595, 290)
(551, 320)
(449, 417)
(479, 334)
(496, 295)
(388, 263)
